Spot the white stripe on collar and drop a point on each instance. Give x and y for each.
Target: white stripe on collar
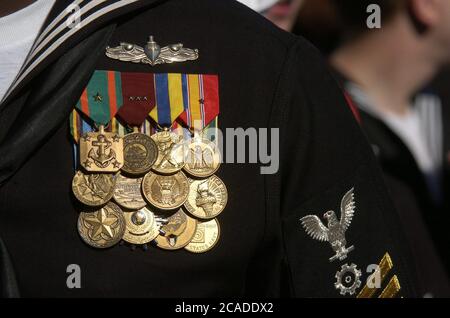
(63, 26)
(42, 41)
(84, 22)
(55, 21)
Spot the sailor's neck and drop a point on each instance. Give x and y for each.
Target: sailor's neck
(389, 68)
(8, 7)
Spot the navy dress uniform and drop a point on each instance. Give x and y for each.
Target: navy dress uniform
(420, 199)
(438, 86)
(323, 226)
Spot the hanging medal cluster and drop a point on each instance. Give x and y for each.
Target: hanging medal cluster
(146, 174)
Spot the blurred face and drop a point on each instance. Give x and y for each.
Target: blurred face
(442, 29)
(434, 15)
(284, 13)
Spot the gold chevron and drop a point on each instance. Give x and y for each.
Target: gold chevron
(392, 288)
(384, 268)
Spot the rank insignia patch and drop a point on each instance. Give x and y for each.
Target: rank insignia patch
(334, 232)
(376, 279)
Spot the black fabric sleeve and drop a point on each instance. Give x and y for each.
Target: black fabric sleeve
(323, 155)
(28, 121)
(8, 282)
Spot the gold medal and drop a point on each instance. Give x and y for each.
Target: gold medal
(141, 227)
(127, 193)
(165, 192)
(207, 198)
(101, 151)
(140, 153)
(93, 189)
(170, 152)
(206, 237)
(102, 228)
(203, 158)
(177, 232)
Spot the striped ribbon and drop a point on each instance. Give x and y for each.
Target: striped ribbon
(169, 99)
(102, 97)
(200, 100)
(193, 98)
(176, 101)
(80, 125)
(138, 90)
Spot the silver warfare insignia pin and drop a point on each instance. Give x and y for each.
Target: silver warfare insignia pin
(334, 232)
(152, 53)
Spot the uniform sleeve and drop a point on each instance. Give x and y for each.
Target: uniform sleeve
(323, 156)
(8, 282)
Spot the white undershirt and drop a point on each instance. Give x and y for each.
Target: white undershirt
(17, 34)
(259, 5)
(420, 129)
(409, 128)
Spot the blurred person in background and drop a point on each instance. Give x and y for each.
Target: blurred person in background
(283, 13)
(259, 5)
(318, 22)
(384, 71)
(441, 86)
(325, 25)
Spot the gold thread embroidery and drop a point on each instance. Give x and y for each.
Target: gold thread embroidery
(392, 288)
(384, 267)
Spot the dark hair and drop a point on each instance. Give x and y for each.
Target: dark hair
(353, 14)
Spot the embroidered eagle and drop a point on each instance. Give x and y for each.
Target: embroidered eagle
(334, 232)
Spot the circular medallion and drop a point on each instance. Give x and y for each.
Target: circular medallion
(177, 232)
(207, 198)
(140, 153)
(206, 237)
(165, 192)
(170, 152)
(202, 159)
(127, 193)
(102, 228)
(140, 227)
(93, 189)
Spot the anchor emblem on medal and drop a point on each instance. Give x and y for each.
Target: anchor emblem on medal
(101, 151)
(348, 278)
(102, 156)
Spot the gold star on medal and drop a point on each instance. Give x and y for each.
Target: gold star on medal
(98, 97)
(101, 223)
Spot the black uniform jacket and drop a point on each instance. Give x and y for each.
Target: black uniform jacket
(268, 78)
(423, 221)
(398, 162)
(421, 218)
(440, 86)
